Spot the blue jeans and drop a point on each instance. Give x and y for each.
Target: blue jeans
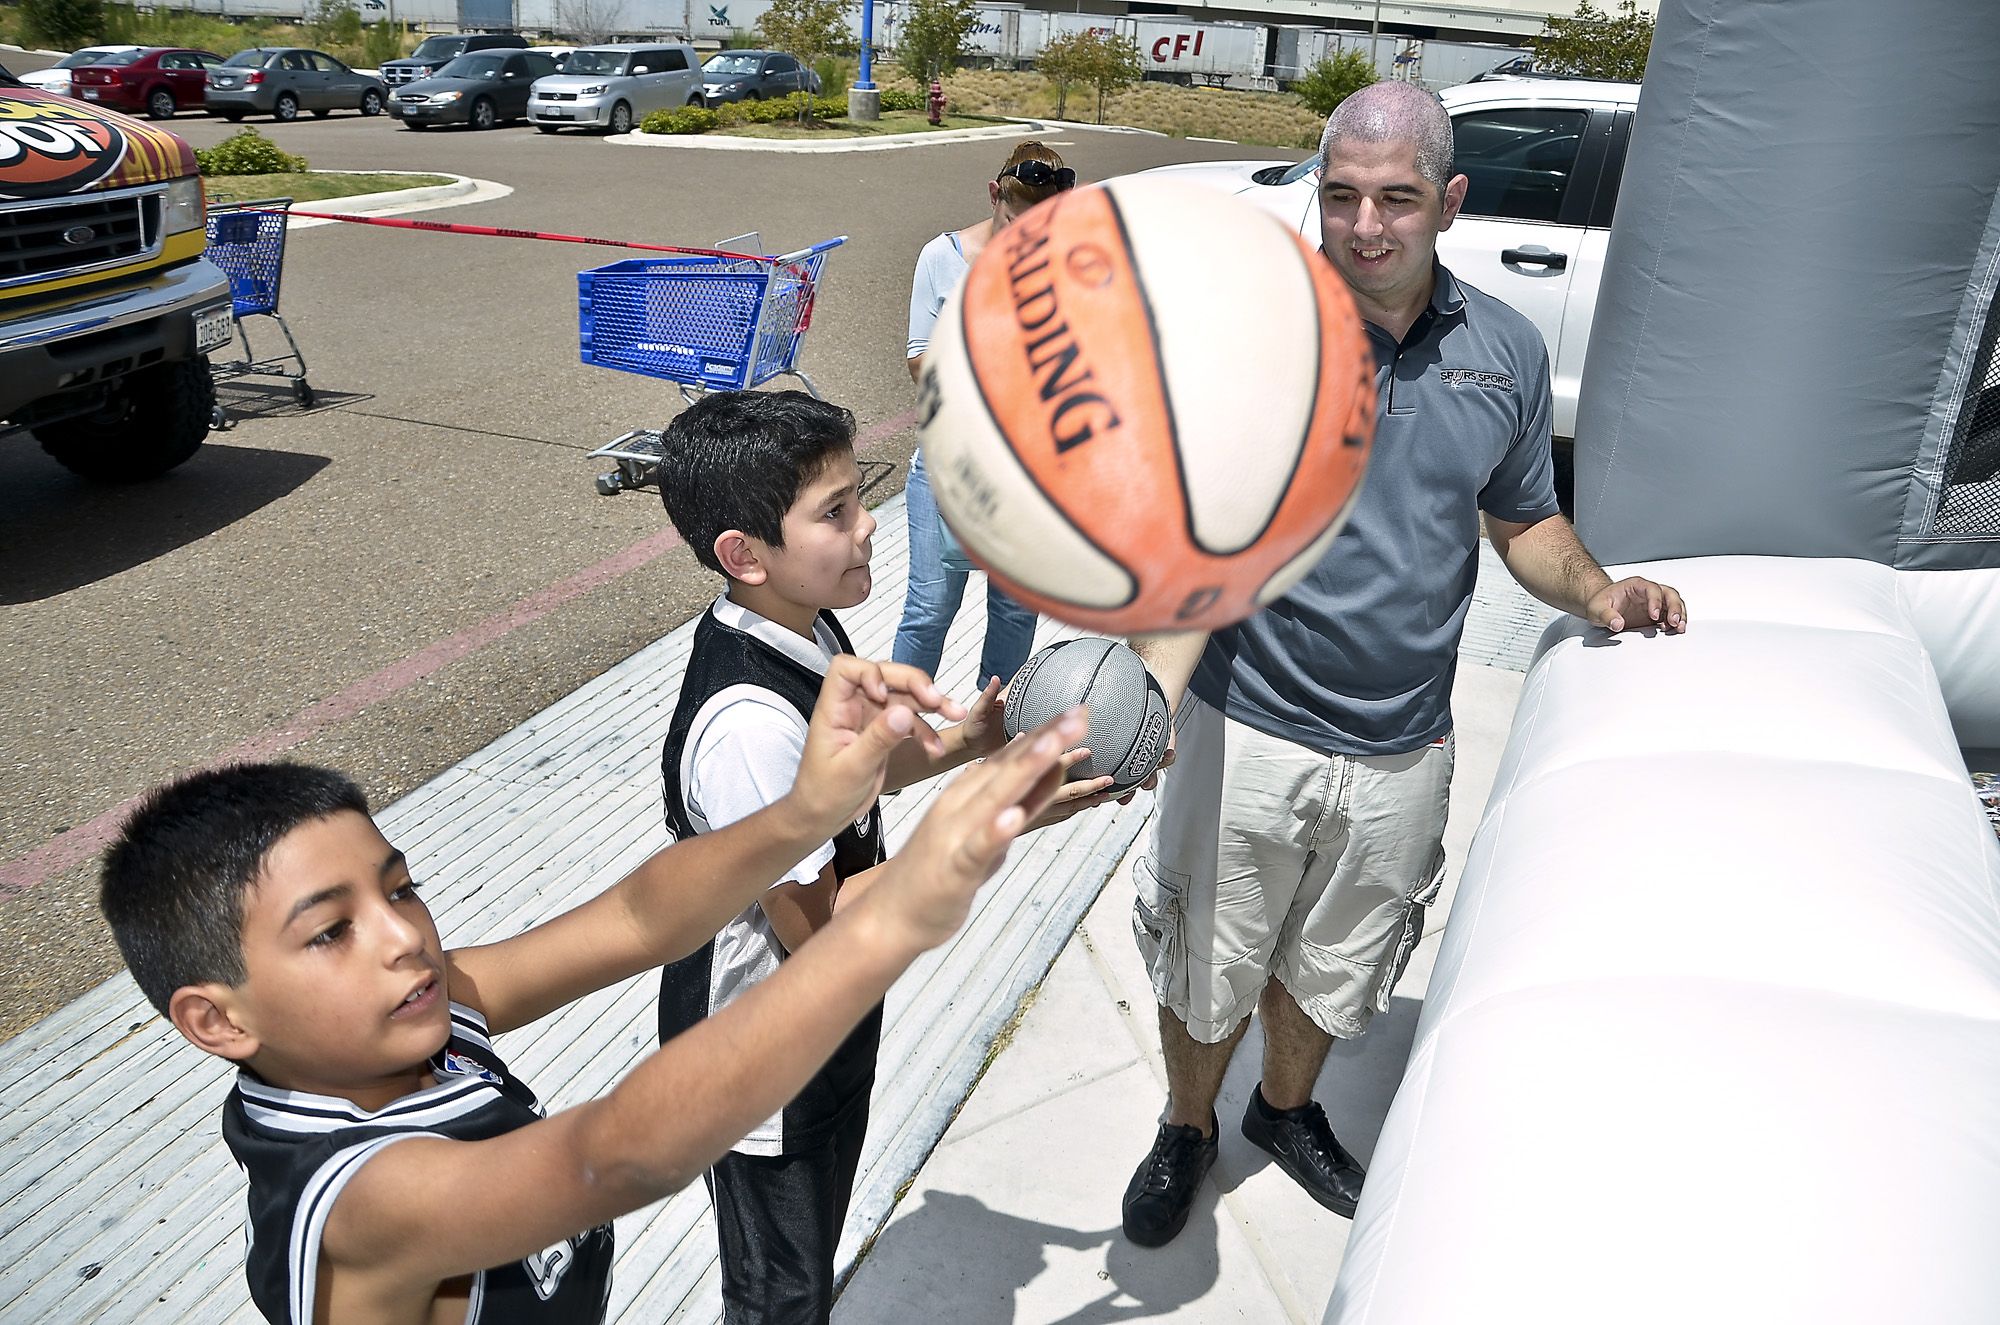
(935, 593)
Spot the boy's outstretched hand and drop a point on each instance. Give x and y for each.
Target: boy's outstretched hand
(926, 889)
(865, 711)
(985, 727)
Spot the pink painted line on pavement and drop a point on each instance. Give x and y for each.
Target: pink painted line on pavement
(85, 840)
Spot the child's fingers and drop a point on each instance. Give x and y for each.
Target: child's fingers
(1028, 772)
(917, 684)
(1082, 787)
(925, 734)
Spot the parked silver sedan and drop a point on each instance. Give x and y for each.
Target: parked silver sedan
(281, 81)
(613, 87)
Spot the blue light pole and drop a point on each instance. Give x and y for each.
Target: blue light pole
(864, 99)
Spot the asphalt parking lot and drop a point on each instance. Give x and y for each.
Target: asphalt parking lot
(390, 580)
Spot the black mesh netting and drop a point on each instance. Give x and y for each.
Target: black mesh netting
(1971, 503)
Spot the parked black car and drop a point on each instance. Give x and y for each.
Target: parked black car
(281, 81)
(481, 90)
(753, 76)
(436, 52)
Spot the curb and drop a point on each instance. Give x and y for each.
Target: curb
(32, 50)
(886, 143)
(1079, 125)
(462, 190)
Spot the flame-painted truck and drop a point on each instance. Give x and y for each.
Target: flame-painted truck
(107, 307)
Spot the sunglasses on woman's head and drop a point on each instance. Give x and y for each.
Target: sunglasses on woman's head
(1040, 174)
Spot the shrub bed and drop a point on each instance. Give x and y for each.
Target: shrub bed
(699, 119)
(248, 153)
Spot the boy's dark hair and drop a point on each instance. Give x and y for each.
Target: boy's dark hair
(737, 459)
(174, 881)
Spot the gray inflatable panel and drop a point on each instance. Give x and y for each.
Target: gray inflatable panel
(1785, 303)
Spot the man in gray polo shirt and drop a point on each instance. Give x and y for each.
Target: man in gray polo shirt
(1299, 834)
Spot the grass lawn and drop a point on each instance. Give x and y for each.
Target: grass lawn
(892, 121)
(309, 186)
(1272, 119)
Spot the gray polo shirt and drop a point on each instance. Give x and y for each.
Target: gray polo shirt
(1358, 658)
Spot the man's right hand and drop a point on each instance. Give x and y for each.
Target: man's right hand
(926, 889)
(865, 710)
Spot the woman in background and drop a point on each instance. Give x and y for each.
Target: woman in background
(1033, 173)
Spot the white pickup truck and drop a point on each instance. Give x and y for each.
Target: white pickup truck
(1544, 158)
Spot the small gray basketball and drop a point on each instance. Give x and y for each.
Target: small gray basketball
(1128, 710)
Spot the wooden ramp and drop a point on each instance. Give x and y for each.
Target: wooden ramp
(119, 1201)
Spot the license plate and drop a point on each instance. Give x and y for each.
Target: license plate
(213, 329)
(557, 115)
(90, 93)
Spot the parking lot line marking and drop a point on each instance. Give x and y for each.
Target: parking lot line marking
(86, 839)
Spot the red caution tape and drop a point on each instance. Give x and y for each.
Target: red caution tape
(448, 228)
(444, 227)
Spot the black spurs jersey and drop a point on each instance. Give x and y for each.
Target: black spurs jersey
(726, 657)
(300, 1150)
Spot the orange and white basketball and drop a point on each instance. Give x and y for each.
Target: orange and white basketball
(1148, 408)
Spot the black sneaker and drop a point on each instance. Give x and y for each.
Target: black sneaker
(1302, 1143)
(1162, 1192)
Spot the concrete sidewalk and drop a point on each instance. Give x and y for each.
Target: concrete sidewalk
(1015, 1217)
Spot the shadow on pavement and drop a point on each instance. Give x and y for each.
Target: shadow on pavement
(271, 398)
(954, 1248)
(1359, 1081)
(59, 532)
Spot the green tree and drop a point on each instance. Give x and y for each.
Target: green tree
(935, 35)
(806, 30)
(383, 42)
(1064, 61)
(1334, 79)
(1115, 64)
(62, 24)
(1595, 44)
(336, 23)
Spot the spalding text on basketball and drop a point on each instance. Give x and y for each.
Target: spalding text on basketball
(1055, 357)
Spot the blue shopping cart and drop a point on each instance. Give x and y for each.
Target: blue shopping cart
(707, 322)
(247, 240)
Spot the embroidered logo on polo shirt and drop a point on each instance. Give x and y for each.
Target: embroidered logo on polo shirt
(1473, 377)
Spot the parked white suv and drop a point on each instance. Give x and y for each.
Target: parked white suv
(1544, 158)
(614, 87)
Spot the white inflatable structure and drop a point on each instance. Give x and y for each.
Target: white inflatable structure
(1714, 1035)
(1715, 1032)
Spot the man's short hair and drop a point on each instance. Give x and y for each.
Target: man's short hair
(738, 459)
(1396, 112)
(174, 882)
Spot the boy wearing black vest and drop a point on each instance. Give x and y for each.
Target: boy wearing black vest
(398, 1170)
(765, 489)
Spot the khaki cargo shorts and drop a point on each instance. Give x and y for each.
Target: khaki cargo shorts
(1268, 859)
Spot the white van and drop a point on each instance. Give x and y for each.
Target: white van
(614, 87)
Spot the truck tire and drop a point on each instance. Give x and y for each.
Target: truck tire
(158, 418)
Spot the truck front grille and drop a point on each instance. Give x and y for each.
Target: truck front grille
(39, 242)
